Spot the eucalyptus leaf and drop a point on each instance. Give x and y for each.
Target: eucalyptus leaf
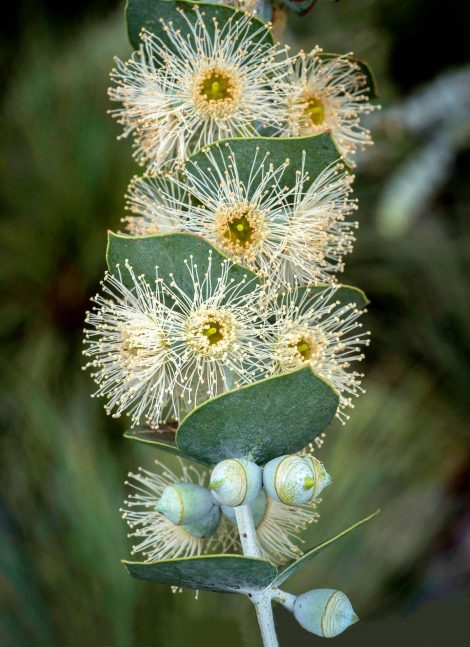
(148, 14)
(223, 573)
(300, 7)
(168, 252)
(163, 438)
(313, 552)
(321, 151)
(275, 416)
(344, 294)
(371, 82)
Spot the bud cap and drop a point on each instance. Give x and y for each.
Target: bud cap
(235, 481)
(184, 503)
(324, 612)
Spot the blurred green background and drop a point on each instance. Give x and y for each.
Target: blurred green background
(406, 448)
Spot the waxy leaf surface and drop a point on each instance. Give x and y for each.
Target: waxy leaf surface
(223, 573)
(275, 416)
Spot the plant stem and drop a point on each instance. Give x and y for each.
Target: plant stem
(261, 599)
(264, 613)
(247, 532)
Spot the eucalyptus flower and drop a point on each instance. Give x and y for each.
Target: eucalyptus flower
(214, 332)
(314, 329)
(156, 536)
(203, 83)
(323, 93)
(151, 202)
(130, 356)
(299, 233)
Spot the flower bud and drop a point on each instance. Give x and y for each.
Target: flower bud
(257, 507)
(235, 482)
(207, 525)
(324, 612)
(295, 479)
(185, 503)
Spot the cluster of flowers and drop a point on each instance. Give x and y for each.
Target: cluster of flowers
(157, 350)
(208, 525)
(215, 82)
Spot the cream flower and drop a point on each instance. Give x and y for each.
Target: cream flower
(204, 83)
(326, 93)
(151, 203)
(318, 331)
(157, 537)
(287, 234)
(214, 333)
(130, 354)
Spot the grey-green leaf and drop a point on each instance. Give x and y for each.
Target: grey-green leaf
(371, 82)
(169, 252)
(344, 294)
(148, 14)
(163, 438)
(277, 415)
(313, 552)
(223, 573)
(320, 150)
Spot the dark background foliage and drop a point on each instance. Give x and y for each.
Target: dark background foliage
(406, 447)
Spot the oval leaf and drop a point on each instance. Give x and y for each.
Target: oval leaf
(148, 14)
(168, 252)
(223, 573)
(313, 552)
(275, 416)
(321, 151)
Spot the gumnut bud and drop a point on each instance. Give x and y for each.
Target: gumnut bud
(257, 507)
(185, 503)
(235, 482)
(205, 526)
(324, 612)
(294, 479)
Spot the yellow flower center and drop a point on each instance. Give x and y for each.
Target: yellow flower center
(213, 331)
(314, 110)
(240, 228)
(210, 332)
(306, 349)
(216, 90)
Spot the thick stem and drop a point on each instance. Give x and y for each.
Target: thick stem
(247, 532)
(261, 600)
(264, 613)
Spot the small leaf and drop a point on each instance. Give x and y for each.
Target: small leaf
(344, 294)
(300, 7)
(371, 82)
(148, 14)
(163, 438)
(313, 552)
(168, 252)
(321, 151)
(275, 416)
(223, 573)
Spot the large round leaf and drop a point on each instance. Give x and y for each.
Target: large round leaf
(223, 573)
(278, 415)
(149, 13)
(320, 150)
(168, 252)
